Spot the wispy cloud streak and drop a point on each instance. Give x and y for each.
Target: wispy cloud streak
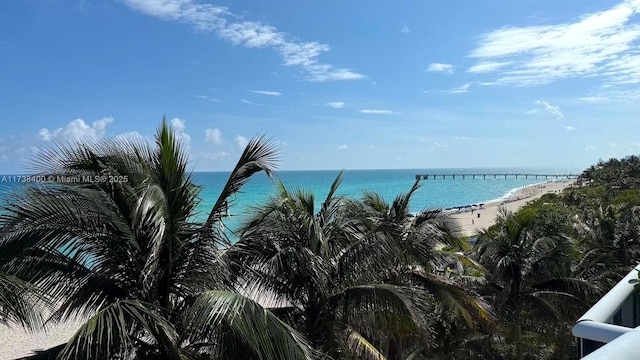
(264, 92)
(251, 34)
(604, 44)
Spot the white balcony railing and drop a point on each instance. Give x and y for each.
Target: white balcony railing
(607, 330)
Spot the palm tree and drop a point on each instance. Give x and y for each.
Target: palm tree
(610, 228)
(531, 274)
(418, 259)
(123, 247)
(307, 256)
(338, 268)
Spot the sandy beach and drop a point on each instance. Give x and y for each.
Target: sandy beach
(472, 221)
(16, 342)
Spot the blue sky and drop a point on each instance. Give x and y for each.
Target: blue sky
(339, 84)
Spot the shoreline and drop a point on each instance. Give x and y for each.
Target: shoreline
(475, 218)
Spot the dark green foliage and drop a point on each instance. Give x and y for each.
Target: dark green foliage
(627, 198)
(355, 272)
(616, 174)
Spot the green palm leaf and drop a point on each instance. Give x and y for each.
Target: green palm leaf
(371, 305)
(454, 297)
(260, 154)
(19, 302)
(117, 330)
(257, 328)
(360, 347)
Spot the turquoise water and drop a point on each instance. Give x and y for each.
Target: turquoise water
(389, 183)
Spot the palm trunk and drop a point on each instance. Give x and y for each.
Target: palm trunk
(518, 334)
(314, 327)
(312, 313)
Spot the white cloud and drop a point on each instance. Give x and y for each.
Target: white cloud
(245, 101)
(77, 130)
(613, 95)
(551, 109)
(440, 67)
(462, 89)
(405, 30)
(250, 34)
(242, 141)
(601, 44)
(264, 92)
(594, 98)
(377, 111)
(204, 97)
(179, 125)
(335, 104)
(215, 156)
(14, 150)
(343, 147)
(569, 128)
(590, 148)
(437, 145)
(323, 72)
(488, 66)
(213, 136)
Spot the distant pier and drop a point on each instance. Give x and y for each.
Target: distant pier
(494, 176)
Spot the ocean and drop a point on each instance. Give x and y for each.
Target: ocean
(439, 193)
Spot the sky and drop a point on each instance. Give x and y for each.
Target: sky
(337, 84)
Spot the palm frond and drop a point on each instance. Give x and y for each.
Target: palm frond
(112, 332)
(261, 331)
(375, 201)
(400, 205)
(473, 309)
(66, 245)
(556, 305)
(150, 224)
(372, 304)
(332, 191)
(259, 155)
(20, 302)
(360, 347)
